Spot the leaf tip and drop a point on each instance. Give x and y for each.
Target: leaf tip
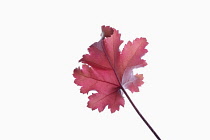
(107, 31)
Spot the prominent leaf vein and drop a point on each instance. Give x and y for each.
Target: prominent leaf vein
(100, 80)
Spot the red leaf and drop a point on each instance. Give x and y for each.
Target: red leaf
(107, 70)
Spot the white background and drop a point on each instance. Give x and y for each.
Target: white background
(41, 42)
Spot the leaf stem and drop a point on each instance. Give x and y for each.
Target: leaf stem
(141, 116)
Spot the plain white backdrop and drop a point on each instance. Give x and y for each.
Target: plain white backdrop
(41, 42)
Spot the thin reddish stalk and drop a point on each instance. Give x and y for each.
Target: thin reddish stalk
(140, 115)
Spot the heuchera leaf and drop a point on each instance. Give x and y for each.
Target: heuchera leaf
(107, 70)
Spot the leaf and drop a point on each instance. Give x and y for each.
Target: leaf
(107, 70)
